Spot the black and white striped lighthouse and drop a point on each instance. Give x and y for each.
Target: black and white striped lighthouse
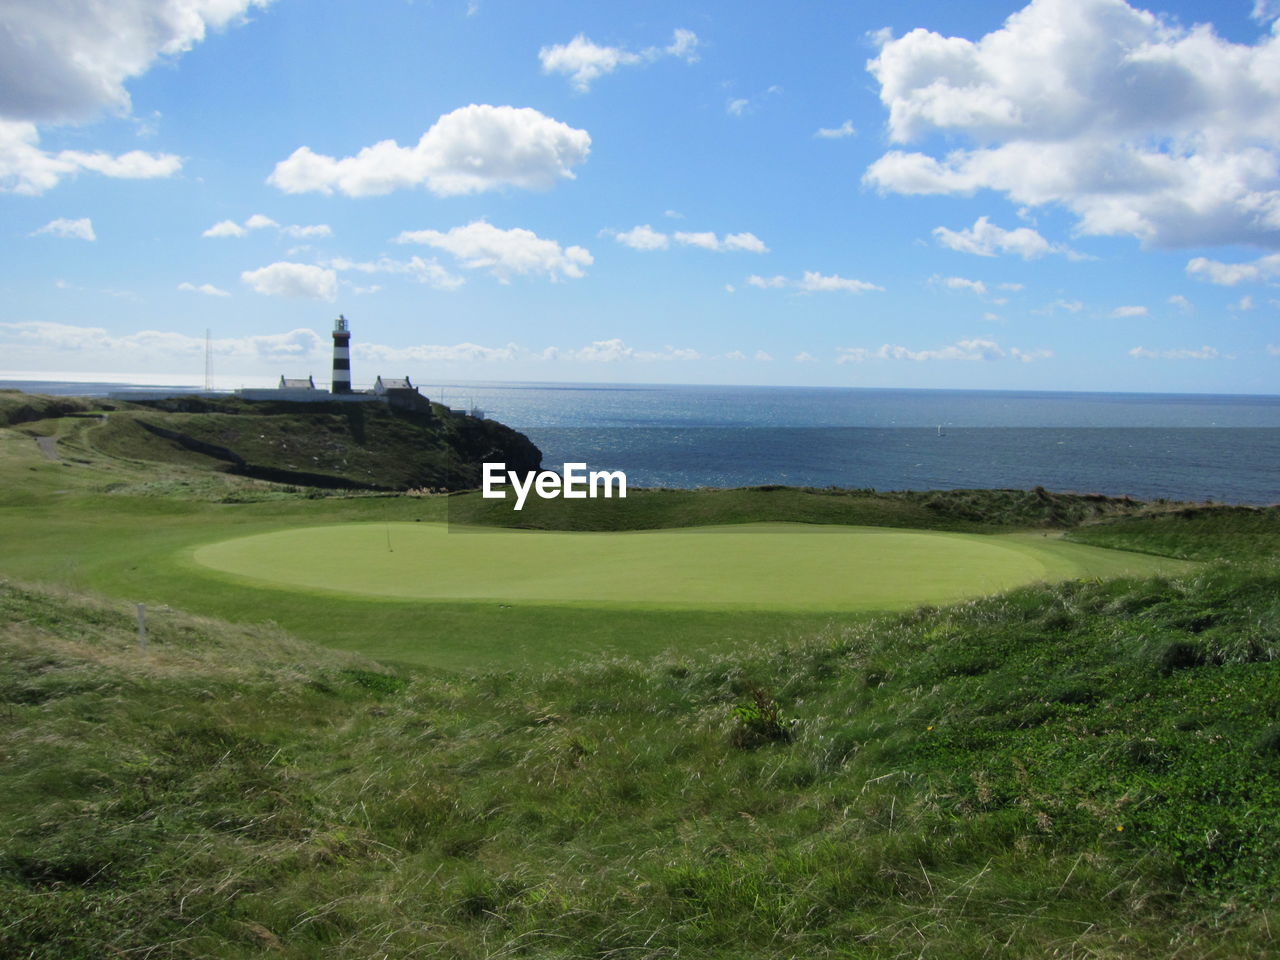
(341, 356)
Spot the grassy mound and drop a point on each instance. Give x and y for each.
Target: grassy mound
(1089, 769)
(366, 446)
(17, 407)
(324, 444)
(1204, 533)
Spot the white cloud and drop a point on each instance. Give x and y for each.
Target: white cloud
(612, 351)
(684, 44)
(1182, 303)
(804, 357)
(707, 241)
(747, 242)
(424, 271)
(584, 62)
(504, 253)
(1137, 125)
(643, 237)
(259, 221)
(81, 229)
(307, 232)
(736, 107)
(1229, 274)
(1273, 350)
(26, 169)
(1012, 286)
(960, 283)
(154, 348)
(68, 61)
(1244, 303)
(975, 349)
(1204, 353)
(1265, 11)
(435, 353)
(285, 279)
(1121, 312)
(759, 356)
(225, 228)
(208, 289)
(1071, 306)
(471, 150)
(813, 282)
(985, 239)
(836, 133)
(40, 344)
(1030, 356)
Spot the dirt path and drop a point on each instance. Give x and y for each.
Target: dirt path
(49, 447)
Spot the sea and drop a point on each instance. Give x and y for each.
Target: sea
(1194, 447)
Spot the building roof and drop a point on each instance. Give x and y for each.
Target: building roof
(394, 383)
(287, 383)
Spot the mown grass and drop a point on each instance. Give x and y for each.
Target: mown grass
(764, 567)
(120, 525)
(1082, 770)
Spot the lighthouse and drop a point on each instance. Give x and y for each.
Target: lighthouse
(341, 356)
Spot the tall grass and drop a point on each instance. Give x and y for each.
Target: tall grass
(1206, 533)
(1082, 770)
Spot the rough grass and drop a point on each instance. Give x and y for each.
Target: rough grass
(1240, 533)
(17, 407)
(352, 445)
(1082, 770)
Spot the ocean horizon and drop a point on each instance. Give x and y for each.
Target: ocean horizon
(1194, 447)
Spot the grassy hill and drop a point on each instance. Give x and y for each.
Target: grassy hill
(18, 407)
(351, 445)
(1082, 770)
(1086, 769)
(368, 446)
(1203, 533)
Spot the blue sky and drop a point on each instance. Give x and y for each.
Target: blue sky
(1066, 194)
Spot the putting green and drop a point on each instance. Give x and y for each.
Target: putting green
(781, 566)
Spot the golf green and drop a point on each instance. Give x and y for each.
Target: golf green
(780, 566)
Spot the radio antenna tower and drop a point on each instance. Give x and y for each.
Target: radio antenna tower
(208, 360)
